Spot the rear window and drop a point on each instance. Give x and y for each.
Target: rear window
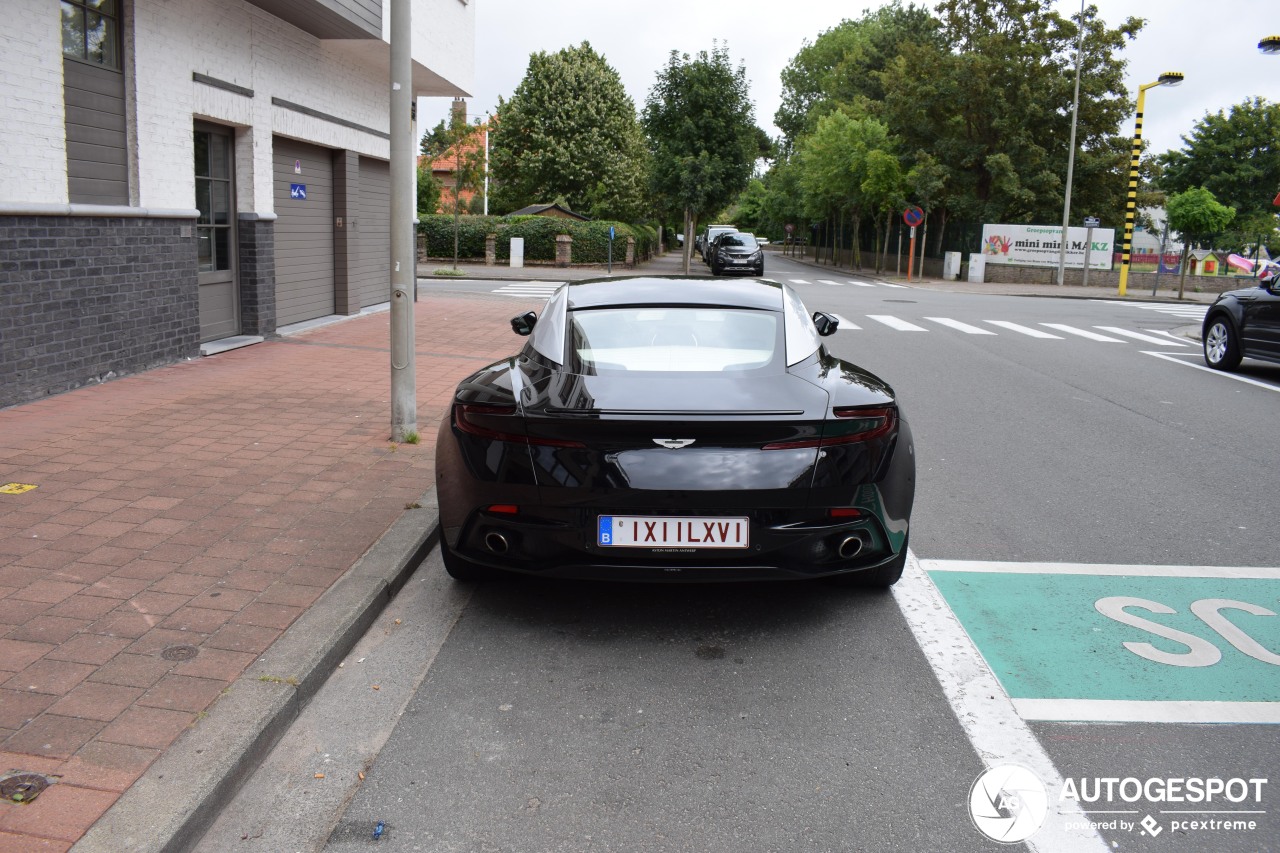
(673, 339)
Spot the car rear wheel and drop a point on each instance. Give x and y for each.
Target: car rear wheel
(1221, 347)
(464, 570)
(881, 577)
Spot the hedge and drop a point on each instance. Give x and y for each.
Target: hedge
(590, 239)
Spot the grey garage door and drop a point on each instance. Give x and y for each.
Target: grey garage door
(373, 273)
(304, 231)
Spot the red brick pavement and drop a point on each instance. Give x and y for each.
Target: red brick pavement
(204, 504)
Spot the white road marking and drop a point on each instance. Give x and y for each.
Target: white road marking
(1177, 338)
(1014, 327)
(898, 286)
(1208, 369)
(982, 707)
(798, 281)
(1140, 337)
(860, 283)
(1139, 711)
(1106, 569)
(895, 323)
(1084, 333)
(845, 324)
(963, 327)
(830, 282)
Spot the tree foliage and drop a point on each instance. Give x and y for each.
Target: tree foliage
(569, 131)
(702, 134)
(1235, 155)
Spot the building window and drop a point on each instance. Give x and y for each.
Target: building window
(213, 199)
(91, 31)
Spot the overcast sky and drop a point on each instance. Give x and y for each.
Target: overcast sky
(1215, 44)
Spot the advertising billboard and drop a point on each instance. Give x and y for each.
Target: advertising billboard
(1038, 246)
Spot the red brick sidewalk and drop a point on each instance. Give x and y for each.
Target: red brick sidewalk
(183, 519)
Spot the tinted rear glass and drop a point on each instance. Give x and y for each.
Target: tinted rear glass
(673, 339)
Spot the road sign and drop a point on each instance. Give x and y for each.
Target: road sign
(913, 216)
(611, 233)
(789, 228)
(1092, 222)
(298, 191)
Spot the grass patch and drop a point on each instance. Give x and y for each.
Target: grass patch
(449, 271)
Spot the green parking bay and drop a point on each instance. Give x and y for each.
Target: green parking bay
(1117, 643)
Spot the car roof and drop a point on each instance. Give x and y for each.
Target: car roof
(674, 290)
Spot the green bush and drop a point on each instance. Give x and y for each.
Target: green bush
(590, 239)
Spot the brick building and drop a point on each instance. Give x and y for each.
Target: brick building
(180, 172)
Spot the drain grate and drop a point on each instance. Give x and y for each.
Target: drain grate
(180, 653)
(21, 787)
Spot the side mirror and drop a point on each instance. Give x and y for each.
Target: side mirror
(523, 325)
(825, 323)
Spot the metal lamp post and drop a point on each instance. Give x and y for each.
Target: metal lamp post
(1071, 156)
(1169, 78)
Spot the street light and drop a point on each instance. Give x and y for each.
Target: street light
(1071, 157)
(1270, 44)
(1169, 78)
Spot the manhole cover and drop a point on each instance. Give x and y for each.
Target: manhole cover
(179, 653)
(19, 787)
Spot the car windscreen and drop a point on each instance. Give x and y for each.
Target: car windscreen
(745, 241)
(679, 339)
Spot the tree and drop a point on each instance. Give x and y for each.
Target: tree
(570, 130)
(840, 173)
(703, 139)
(428, 191)
(1236, 157)
(841, 67)
(1198, 217)
(995, 105)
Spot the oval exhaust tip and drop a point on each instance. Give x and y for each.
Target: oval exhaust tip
(850, 547)
(496, 542)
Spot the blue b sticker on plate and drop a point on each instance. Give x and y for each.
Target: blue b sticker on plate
(606, 530)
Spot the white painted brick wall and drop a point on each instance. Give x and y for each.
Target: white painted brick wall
(33, 148)
(230, 40)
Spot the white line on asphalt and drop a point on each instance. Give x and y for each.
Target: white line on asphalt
(1177, 338)
(899, 286)
(1140, 711)
(1014, 327)
(963, 327)
(1207, 369)
(845, 324)
(1084, 333)
(1140, 337)
(798, 281)
(830, 282)
(532, 285)
(982, 707)
(860, 283)
(895, 323)
(1105, 569)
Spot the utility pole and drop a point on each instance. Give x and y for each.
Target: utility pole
(404, 273)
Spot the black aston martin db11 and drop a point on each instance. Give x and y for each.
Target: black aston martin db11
(675, 429)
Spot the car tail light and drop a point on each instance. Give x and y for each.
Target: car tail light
(464, 419)
(851, 425)
(844, 512)
(504, 509)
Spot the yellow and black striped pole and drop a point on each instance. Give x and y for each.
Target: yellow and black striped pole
(1169, 78)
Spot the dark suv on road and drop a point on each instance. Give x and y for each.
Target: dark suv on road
(1244, 324)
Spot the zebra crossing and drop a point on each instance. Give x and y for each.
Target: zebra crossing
(528, 289)
(1189, 311)
(1039, 331)
(856, 282)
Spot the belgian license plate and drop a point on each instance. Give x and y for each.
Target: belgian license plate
(649, 531)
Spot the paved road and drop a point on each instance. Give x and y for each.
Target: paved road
(1083, 493)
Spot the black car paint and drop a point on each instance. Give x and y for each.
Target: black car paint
(559, 490)
(1253, 315)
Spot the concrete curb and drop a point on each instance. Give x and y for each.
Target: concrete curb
(181, 794)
